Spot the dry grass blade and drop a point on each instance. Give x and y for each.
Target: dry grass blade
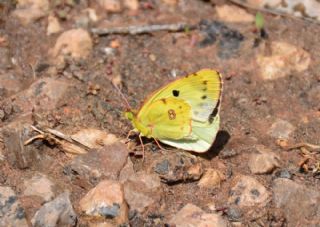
(56, 137)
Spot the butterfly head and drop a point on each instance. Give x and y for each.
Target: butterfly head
(130, 114)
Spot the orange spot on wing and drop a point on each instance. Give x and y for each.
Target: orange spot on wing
(171, 114)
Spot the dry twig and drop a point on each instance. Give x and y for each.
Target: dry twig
(309, 146)
(141, 29)
(309, 153)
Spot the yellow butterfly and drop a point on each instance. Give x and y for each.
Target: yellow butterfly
(183, 113)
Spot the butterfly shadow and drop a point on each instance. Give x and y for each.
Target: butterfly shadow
(221, 140)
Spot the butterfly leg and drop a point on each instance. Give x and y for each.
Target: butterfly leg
(129, 134)
(161, 148)
(142, 147)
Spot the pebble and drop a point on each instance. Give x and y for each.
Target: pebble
(175, 167)
(285, 60)
(105, 162)
(53, 25)
(191, 215)
(39, 185)
(283, 173)
(248, 192)
(112, 6)
(58, 212)
(131, 4)
(142, 190)
(31, 10)
(263, 162)
(11, 212)
(234, 14)
(75, 42)
(152, 57)
(299, 202)
(212, 178)
(106, 200)
(281, 129)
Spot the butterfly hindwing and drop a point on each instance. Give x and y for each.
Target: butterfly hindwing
(168, 118)
(203, 137)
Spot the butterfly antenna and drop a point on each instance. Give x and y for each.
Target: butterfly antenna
(121, 95)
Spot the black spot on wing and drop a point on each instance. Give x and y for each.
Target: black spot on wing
(204, 97)
(214, 112)
(175, 93)
(205, 82)
(164, 101)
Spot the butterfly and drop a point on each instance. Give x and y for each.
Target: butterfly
(183, 114)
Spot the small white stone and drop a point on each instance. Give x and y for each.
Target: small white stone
(53, 25)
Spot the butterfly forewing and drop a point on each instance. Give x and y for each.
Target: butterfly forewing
(200, 90)
(185, 113)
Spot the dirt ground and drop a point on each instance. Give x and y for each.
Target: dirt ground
(142, 63)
